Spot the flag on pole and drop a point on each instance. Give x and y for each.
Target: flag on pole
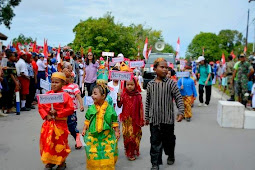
(245, 49)
(58, 55)
(233, 55)
(145, 49)
(203, 52)
(223, 60)
(34, 47)
(178, 49)
(149, 52)
(45, 49)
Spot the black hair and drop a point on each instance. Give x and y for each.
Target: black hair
(75, 57)
(115, 68)
(93, 59)
(71, 53)
(80, 57)
(157, 61)
(230, 57)
(8, 53)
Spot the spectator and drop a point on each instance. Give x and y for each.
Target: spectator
(229, 73)
(41, 71)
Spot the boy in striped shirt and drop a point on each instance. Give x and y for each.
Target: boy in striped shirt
(73, 90)
(159, 113)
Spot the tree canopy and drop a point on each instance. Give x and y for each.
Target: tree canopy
(22, 39)
(103, 34)
(226, 41)
(6, 11)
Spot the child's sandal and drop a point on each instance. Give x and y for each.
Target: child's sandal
(61, 167)
(132, 158)
(49, 166)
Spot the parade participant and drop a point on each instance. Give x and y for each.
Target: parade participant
(31, 73)
(220, 72)
(114, 86)
(243, 71)
(81, 73)
(188, 92)
(22, 73)
(73, 90)
(159, 113)
(205, 81)
(10, 74)
(132, 117)
(229, 73)
(41, 71)
(54, 147)
(51, 68)
(101, 132)
(253, 96)
(90, 69)
(3, 91)
(140, 79)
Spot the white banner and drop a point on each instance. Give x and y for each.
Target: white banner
(50, 98)
(88, 101)
(45, 85)
(136, 64)
(109, 54)
(182, 74)
(120, 75)
(117, 59)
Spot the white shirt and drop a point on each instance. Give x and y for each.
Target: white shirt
(113, 91)
(21, 67)
(41, 65)
(140, 80)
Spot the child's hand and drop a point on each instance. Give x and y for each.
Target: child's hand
(53, 112)
(83, 132)
(49, 117)
(179, 118)
(146, 122)
(82, 108)
(182, 87)
(117, 134)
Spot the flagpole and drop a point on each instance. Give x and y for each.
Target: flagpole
(247, 29)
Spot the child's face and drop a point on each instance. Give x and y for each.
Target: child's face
(130, 85)
(97, 96)
(56, 84)
(162, 69)
(80, 60)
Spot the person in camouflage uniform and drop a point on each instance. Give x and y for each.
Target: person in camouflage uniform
(244, 71)
(229, 73)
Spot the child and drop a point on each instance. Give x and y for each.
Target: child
(132, 116)
(114, 86)
(139, 78)
(54, 147)
(188, 92)
(159, 113)
(101, 132)
(81, 72)
(73, 90)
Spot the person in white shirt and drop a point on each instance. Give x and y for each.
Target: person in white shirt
(22, 73)
(41, 71)
(140, 79)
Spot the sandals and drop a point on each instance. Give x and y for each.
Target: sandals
(49, 166)
(61, 167)
(77, 147)
(131, 158)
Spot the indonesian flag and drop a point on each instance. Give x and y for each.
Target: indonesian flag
(149, 51)
(178, 49)
(45, 49)
(233, 55)
(58, 55)
(145, 49)
(34, 47)
(223, 60)
(245, 49)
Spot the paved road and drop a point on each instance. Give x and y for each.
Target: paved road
(201, 144)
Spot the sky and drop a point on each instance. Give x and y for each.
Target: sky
(55, 19)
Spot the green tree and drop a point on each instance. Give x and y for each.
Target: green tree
(103, 34)
(22, 39)
(210, 43)
(6, 11)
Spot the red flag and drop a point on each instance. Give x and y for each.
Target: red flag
(149, 52)
(233, 55)
(90, 50)
(34, 47)
(45, 49)
(245, 49)
(178, 49)
(223, 59)
(81, 51)
(145, 49)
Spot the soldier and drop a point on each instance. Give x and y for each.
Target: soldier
(229, 73)
(243, 71)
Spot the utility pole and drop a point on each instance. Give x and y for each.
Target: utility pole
(247, 30)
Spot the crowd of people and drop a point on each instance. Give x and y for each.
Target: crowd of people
(115, 102)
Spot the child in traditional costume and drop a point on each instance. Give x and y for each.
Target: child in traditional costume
(132, 117)
(101, 132)
(54, 147)
(73, 90)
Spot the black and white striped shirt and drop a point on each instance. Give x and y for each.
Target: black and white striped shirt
(159, 101)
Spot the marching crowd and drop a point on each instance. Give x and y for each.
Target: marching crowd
(113, 102)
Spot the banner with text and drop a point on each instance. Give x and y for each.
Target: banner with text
(117, 59)
(182, 74)
(120, 75)
(136, 64)
(109, 54)
(50, 98)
